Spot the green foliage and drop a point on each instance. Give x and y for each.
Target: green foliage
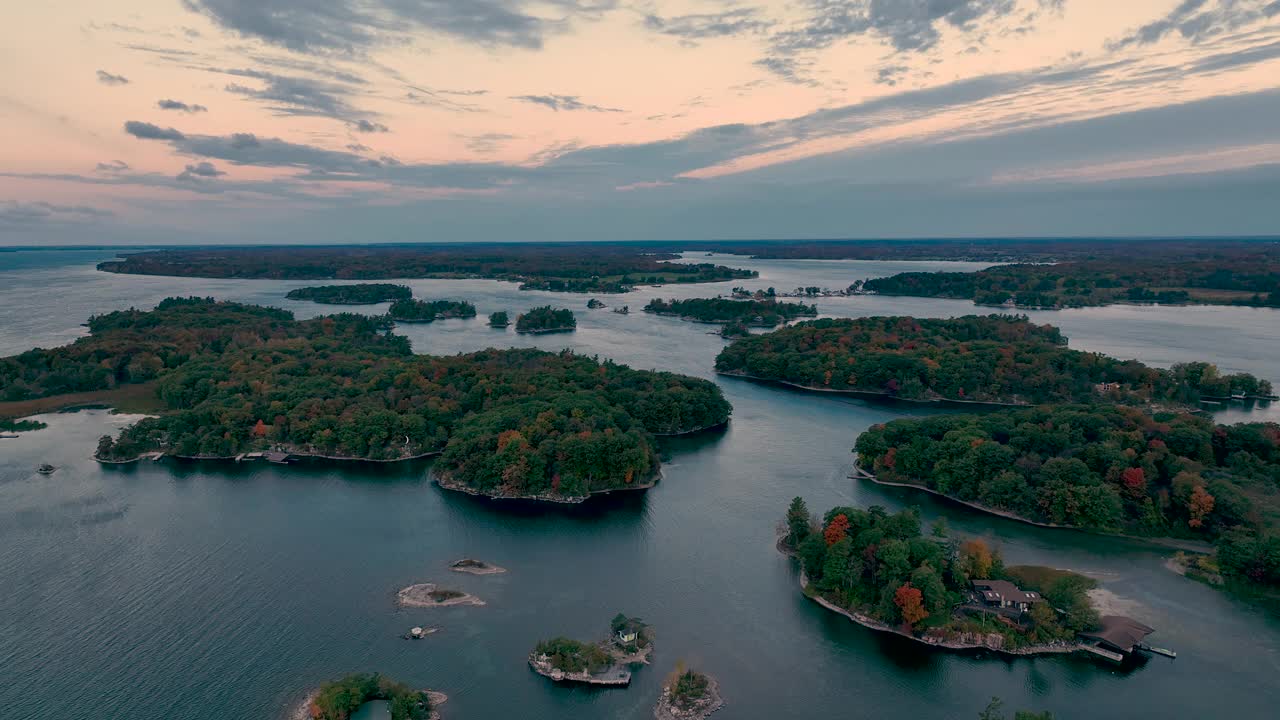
(546, 319)
(21, 425)
(581, 267)
(1243, 279)
(798, 522)
(997, 358)
(572, 656)
(761, 313)
(361, 294)
(338, 699)
(419, 311)
(688, 688)
(499, 319)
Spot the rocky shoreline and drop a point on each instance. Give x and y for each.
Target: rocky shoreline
(706, 705)
(870, 394)
(420, 595)
(475, 567)
(445, 482)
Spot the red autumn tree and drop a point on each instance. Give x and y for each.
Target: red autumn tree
(260, 430)
(1135, 482)
(836, 529)
(1199, 507)
(910, 602)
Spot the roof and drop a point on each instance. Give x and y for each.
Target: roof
(995, 590)
(1120, 631)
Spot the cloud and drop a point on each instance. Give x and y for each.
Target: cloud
(890, 74)
(691, 28)
(295, 96)
(353, 26)
(203, 169)
(443, 99)
(15, 214)
(367, 126)
(181, 106)
(107, 78)
(563, 102)
(1199, 20)
(486, 143)
(148, 131)
(112, 166)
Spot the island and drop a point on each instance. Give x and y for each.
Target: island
(688, 695)
(425, 311)
(231, 379)
(757, 313)
(594, 304)
(546, 319)
(475, 567)
(880, 571)
(558, 267)
(995, 359)
(734, 330)
(17, 426)
(602, 663)
(361, 294)
(338, 699)
(428, 595)
(499, 319)
(1102, 468)
(1242, 278)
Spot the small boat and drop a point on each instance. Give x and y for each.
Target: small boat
(46, 469)
(1237, 396)
(8, 436)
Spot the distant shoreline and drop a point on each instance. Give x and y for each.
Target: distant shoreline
(870, 394)
(447, 483)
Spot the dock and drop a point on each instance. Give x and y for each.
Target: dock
(1112, 656)
(1158, 651)
(153, 456)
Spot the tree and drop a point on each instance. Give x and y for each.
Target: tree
(976, 559)
(797, 522)
(1199, 507)
(910, 604)
(837, 529)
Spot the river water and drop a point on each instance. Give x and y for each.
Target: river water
(169, 592)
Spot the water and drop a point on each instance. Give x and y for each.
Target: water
(163, 591)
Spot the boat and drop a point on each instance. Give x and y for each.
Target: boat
(46, 469)
(8, 436)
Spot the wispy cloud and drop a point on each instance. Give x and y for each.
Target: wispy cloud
(107, 78)
(180, 106)
(695, 27)
(16, 215)
(568, 103)
(1199, 20)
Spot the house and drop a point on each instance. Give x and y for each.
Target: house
(1107, 387)
(627, 636)
(1004, 594)
(1119, 634)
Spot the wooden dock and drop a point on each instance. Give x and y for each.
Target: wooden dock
(1112, 656)
(1158, 651)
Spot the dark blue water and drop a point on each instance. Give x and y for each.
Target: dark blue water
(165, 591)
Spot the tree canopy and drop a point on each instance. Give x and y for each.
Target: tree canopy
(996, 358)
(360, 294)
(545, 319)
(338, 699)
(420, 311)
(762, 313)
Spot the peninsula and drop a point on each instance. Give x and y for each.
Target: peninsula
(234, 379)
(361, 294)
(880, 571)
(558, 267)
(995, 359)
(1102, 468)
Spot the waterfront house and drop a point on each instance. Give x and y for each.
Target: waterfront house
(1004, 594)
(1119, 634)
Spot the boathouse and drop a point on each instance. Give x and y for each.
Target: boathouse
(1004, 594)
(1118, 633)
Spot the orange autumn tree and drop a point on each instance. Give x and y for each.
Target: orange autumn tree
(837, 529)
(260, 430)
(910, 602)
(976, 559)
(1199, 507)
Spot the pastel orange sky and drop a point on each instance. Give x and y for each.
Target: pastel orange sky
(171, 121)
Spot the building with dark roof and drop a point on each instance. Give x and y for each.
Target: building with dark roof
(1119, 633)
(1004, 594)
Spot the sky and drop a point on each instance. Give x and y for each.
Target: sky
(319, 121)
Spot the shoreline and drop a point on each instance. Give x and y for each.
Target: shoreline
(448, 484)
(412, 596)
(464, 566)
(870, 394)
(233, 458)
(695, 431)
(1172, 543)
(542, 331)
(303, 709)
(664, 710)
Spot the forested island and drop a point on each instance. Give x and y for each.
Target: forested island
(546, 319)
(688, 695)
(990, 359)
(338, 699)
(237, 378)
(562, 267)
(756, 313)
(1104, 468)
(425, 311)
(499, 319)
(360, 294)
(879, 570)
(630, 642)
(1237, 279)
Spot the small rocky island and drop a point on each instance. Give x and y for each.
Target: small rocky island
(425, 311)
(602, 663)
(475, 567)
(360, 294)
(338, 699)
(499, 319)
(688, 695)
(429, 595)
(546, 319)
